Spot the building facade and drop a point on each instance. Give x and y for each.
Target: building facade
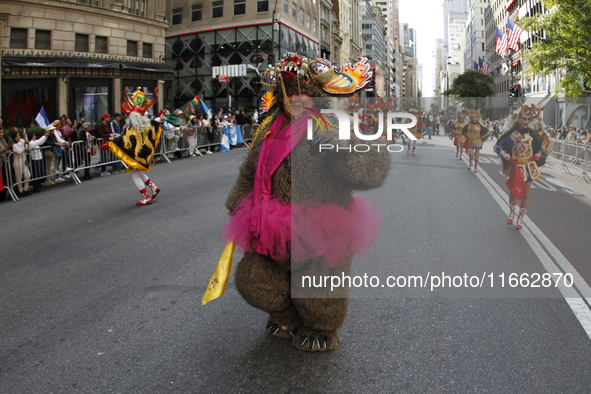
(219, 48)
(77, 57)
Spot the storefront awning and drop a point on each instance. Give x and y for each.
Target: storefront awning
(147, 67)
(57, 63)
(90, 64)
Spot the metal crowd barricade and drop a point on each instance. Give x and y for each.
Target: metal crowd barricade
(570, 154)
(82, 158)
(203, 141)
(74, 159)
(78, 157)
(40, 164)
(177, 141)
(584, 173)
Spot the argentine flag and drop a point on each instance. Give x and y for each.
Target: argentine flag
(41, 119)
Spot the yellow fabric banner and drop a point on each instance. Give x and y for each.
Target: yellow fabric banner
(219, 279)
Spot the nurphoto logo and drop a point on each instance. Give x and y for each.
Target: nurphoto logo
(394, 121)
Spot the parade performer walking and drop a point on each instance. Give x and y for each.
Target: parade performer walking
(417, 131)
(138, 143)
(475, 133)
(458, 135)
(293, 212)
(523, 147)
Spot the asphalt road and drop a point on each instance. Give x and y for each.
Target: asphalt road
(98, 295)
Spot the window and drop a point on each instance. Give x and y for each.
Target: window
(131, 48)
(18, 38)
(96, 3)
(262, 5)
(196, 13)
(146, 50)
(42, 39)
(177, 16)
(308, 21)
(286, 7)
(239, 7)
(217, 9)
(294, 11)
(302, 16)
(314, 25)
(81, 44)
(136, 7)
(100, 44)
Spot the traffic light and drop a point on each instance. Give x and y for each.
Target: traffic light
(270, 61)
(514, 91)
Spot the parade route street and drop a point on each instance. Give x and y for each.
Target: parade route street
(99, 295)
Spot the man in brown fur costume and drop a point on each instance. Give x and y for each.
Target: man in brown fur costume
(294, 198)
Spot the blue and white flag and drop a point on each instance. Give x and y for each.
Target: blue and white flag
(225, 146)
(207, 110)
(41, 119)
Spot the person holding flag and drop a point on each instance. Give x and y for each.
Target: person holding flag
(522, 147)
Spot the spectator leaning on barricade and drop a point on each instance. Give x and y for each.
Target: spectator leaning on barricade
(116, 130)
(193, 128)
(21, 171)
(4, 152)
(55, 143)
(208, 130)
(85, 148)
(65, 131)
(103, 131)
(36, 158)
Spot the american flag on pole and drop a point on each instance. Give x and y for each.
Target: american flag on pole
(514, 35)
(485, 67)
(501, 43)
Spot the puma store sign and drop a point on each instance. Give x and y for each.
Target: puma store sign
(235, 70)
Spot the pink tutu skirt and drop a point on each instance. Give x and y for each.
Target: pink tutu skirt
(306, 230)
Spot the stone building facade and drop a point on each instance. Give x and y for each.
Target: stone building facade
(77, 57)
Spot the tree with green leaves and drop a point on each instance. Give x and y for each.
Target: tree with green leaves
(567, 46)
(471, 83)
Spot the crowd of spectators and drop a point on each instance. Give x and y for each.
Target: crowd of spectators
(46, 157)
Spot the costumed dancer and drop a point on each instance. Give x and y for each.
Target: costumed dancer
(475, 133)
(137, 145)
(523, 147)
(293, 212)
(458, 135)
(417, 131)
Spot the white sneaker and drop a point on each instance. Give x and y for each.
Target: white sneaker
(67, 176)
(68, 169)
(209, 152)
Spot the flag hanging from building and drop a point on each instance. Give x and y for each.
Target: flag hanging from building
(485, 67)
(514, 35)
(501, 43)
(475, 65)
(41, 119)
(503, 69)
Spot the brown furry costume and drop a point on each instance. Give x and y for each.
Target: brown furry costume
(325, 177)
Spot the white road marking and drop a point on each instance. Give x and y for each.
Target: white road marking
(551, 258)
